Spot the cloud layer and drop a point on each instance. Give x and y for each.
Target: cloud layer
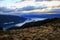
(9, 6)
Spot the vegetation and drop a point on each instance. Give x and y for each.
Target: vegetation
(42, 30)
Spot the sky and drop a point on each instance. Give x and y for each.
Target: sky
(24, 4)
(15, 3)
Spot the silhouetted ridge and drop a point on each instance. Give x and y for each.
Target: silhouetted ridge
(8, 20)
(38, 23)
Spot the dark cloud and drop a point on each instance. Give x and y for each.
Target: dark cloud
(19, 1)
(30, 8)
(5, 10)
(27, 8)
(55, 11)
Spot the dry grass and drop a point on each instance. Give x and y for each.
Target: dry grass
(48, 31)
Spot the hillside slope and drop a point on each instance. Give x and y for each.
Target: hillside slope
(42, 30)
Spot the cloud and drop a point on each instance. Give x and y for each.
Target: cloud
(19, 1)
(5, 10)
(1, 0)
(27, 8)
(24, 1)
(19, 10)
(55, 11)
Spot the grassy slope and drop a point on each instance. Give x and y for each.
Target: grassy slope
(42, 30)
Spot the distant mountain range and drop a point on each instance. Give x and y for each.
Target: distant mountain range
(9, 21)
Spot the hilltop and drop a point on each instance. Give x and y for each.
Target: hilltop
(48, 29)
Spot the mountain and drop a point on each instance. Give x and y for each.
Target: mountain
(48, 29)
(8, 21)
(40, 15)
